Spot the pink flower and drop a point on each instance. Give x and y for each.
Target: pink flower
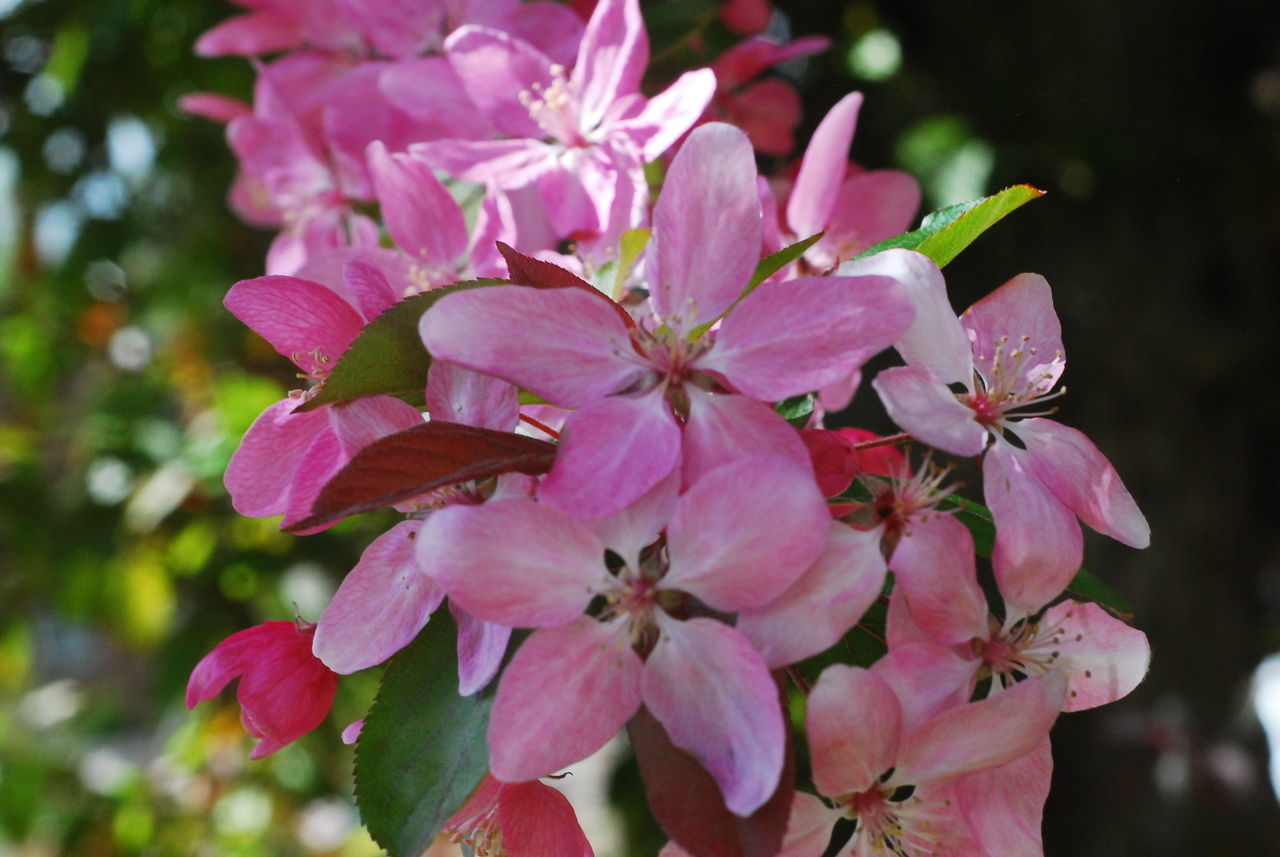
(735, 540)
(582, 136)
(899, 770)
(643, 391)
(1006, 354)
(284, 692)
(527, 819)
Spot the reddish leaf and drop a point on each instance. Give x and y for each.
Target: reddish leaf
(687, 802)
(421, 459)
(528, 271)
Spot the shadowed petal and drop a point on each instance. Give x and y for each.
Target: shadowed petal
(538, 821)
(717, 700)
(481, 647)
(564, 694)
(934, 566)
(381, 605)
(1004, 806)
(461, 395)
(853, 720)
(422, 216)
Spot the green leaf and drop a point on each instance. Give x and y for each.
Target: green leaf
(630, 247)
(1091, 588)
(388, 357)
(977, 518)
(947, 231)
(797, 409)
(422, 751)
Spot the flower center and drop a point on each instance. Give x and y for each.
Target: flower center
(555, 108)
(902, 827)
(1023, 649)
(1015, 376)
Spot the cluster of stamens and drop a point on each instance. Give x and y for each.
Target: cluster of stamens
(554, 108)
(1019, 649)
(1009, 385)
(902, 827)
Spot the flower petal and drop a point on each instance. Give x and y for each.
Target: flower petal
(1038, 541)
(871, 207)
(707, 227)
(823, 167)
(853, 720)
(495, 69)
(923, 406)
(423, 218)
(461, 395)
(982, 734)
(745, 532)
(935, 341)
(934, 566)
(1018, 315)
(611, 453)
(787, 338)
(669, 114)
(538, 821)
(715, 697)
(629, 531)
(564, 694)
(562, 344)
(381, 605)
(302, 320)
(611, 58)
(725, 428)
(481, 648)
(1082, 478)
(1104, 657)
(1004, 806)
(823, 604)
(261, 469)
(542, 571)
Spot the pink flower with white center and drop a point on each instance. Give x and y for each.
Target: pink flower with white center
(899, 775)
(1004, 355)
(518, 820)
(740, 536)
(582, 135)
(656, 395)
(284, 692)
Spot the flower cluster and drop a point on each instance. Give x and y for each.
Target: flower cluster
(622, 427)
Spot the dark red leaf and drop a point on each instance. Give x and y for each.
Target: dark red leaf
(528, 271)
(688, 804)
(421, 459)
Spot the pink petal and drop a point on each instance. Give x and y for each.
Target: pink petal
(481, 648)
(422, 217)
(853, 721)
(564, 345)
(461, 395)
(871, 207)
(715, 697)
(441, 110)
(934, 566)
(538, 821)
(767, 110)
(927, 678)
(1086, 483)
(368, 286)
(745, 532)
(923, 406)
(351, 733)
(982, 734)
(564, 694)
(1004, 806)
(611, 58)
(247, 35)
(323, 459)
(1103, 657)
(552, 28)
(360, 422)
(381, 605)
(543, 570)
(791, 337)
(1021, 310)
(707, 227)
(509, 164)
(813, 198)
(936, 341)
(260, 471)
(823, 604)
(808, 827)
(725, 428)
(303, 321)
(495, 69)
(1038, 542)
(210, 105)
(611, 453)
(669, 114)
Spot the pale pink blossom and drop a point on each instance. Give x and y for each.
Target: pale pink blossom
(654, 396)
(735, 540)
